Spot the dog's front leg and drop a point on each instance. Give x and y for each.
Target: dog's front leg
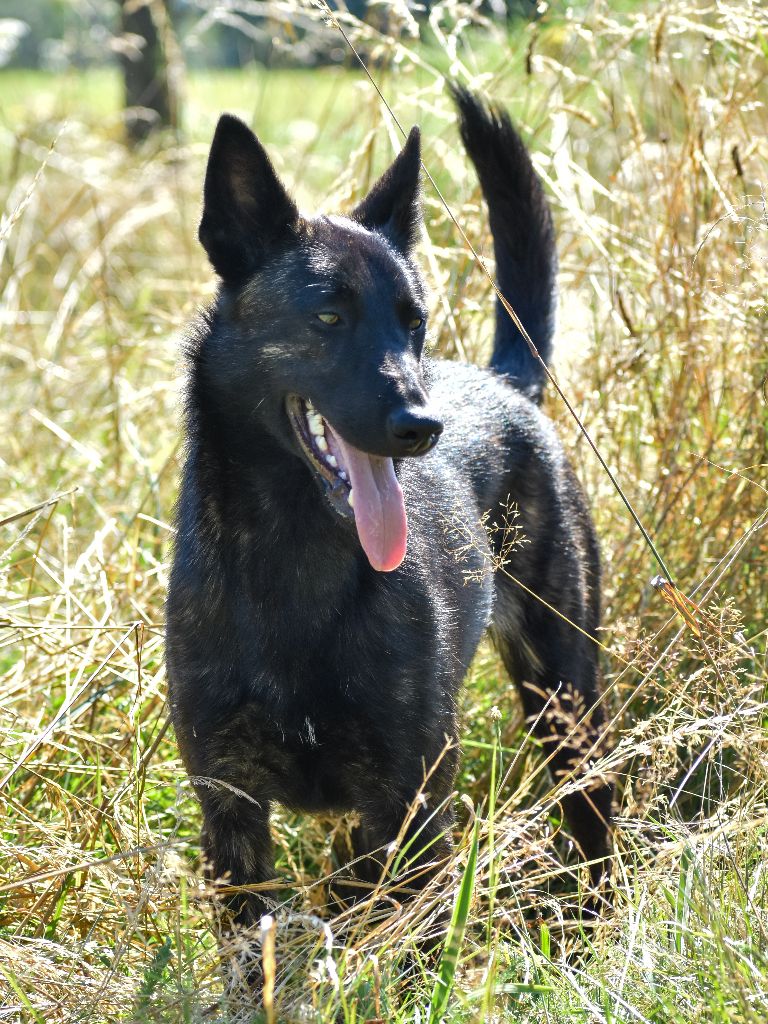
(402, 848)
(399, 851)
(238, 851)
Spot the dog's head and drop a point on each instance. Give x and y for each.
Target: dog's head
(325, 326)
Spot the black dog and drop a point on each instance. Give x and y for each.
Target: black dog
(320, 619)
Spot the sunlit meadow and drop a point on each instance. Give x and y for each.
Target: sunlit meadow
(648, 125)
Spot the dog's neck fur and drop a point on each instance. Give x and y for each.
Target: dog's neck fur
(251, 479)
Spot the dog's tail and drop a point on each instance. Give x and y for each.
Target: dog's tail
(523, 240)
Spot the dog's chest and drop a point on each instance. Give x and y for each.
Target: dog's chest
(328, 755)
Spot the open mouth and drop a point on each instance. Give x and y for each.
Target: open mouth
(357, 485)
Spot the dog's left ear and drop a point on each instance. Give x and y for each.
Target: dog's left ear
(393, 206)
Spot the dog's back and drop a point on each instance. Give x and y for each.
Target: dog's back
(330, 587)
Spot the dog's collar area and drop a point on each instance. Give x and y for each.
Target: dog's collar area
(318, 444)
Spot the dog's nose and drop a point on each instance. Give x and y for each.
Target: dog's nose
(414, 431)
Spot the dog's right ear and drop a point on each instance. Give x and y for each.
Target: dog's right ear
(246, 209)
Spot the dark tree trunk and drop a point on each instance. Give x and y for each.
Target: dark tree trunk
(150, 95)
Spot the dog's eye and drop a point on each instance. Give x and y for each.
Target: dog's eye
(329, 318)
(416, 323)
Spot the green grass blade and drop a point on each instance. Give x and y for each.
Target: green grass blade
(23, 998)
(455, 936)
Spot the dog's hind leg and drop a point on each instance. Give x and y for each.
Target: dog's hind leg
(555, 668)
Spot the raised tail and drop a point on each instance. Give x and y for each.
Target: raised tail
(523, 240)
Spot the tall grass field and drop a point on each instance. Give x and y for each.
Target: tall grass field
(648, 125)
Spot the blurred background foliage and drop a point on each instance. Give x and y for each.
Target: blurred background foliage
(56, 34)
(155, 41)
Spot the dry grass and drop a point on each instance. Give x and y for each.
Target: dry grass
(650, 131)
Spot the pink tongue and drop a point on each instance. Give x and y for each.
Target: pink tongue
(379, 508)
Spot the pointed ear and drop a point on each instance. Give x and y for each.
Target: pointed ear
(246, 210)
(393, 206)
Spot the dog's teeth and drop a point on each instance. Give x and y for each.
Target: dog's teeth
(331, 460)
(316, 426)
(343, 475)
(351, 498)
(321, 443)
